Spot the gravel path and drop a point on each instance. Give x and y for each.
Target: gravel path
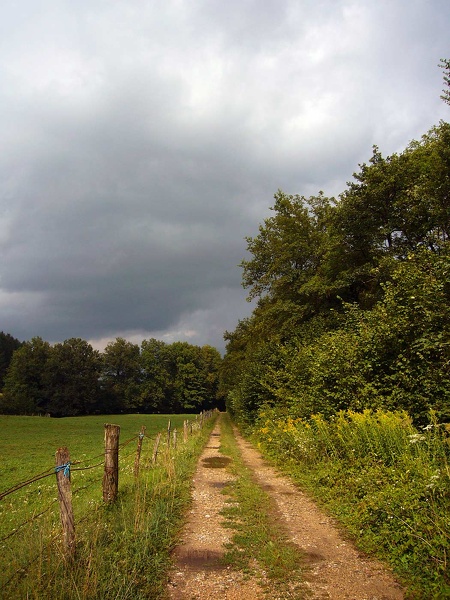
(334, 569)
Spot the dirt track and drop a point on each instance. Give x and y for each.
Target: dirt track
(333, 568)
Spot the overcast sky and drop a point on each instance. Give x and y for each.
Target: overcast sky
(141, 141)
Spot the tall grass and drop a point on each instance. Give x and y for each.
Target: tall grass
(122, 550)
(386, 481)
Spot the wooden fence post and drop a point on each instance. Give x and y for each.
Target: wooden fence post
(174, 439)
(168, 434)
(155, 448)
(111, 475)
(138, 451)
(62, 459)
(185, 431)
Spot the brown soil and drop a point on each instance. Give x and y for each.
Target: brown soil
(333, 568)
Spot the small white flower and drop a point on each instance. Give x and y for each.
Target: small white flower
(416, 437)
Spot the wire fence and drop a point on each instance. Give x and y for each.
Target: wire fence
(45, 502)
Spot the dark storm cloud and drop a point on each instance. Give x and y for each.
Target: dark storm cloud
(140, 143)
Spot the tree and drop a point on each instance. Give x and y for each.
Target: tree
(73, 378)
(288, 249)
(445, 64)
(156, 384)
(210, 362)
(25, 390)
(314, 258)
(121, 375)
(188, 379)
(8, 345)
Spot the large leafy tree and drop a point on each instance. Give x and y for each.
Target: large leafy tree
(73, 378)
(189, 383)
(210, 363)
(25, 389)
(121, 375)
(156, 383)
(289, 248)
(314, 258)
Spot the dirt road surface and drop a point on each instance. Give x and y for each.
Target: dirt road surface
(333, 568)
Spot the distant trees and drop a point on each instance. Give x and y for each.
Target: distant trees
(179, 377)
(71, 378)
(8, 345)
(353, 295)
(120, 376)
(25, 389)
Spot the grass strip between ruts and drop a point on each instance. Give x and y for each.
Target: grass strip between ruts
(259, 546)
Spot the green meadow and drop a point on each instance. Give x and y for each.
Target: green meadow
(28, 444)
(122, 550)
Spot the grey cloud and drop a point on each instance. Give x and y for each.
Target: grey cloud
(141, 143)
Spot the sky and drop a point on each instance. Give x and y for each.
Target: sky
(142, 141)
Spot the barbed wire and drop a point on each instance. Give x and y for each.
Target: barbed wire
(51, 471)
(17, 528)
(19, 486)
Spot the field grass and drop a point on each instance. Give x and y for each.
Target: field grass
(28, 444)
(122, 551)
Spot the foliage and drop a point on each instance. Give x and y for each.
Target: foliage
(353, 295)
(8, 344)
(71, 378)
(121, 375)
(445, 64)
(25, 388)
(388, 482)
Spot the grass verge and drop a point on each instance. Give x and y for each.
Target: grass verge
(385, 481)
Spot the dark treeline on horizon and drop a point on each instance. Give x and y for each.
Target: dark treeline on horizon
(71, 378)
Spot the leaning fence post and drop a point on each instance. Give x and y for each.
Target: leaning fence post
(111, 474)
(138, 451)
(155, 448)
(62, 469)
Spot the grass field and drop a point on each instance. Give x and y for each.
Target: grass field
(28, 444)
(31, 560)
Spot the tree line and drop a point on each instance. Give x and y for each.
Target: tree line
(71, 378)
(352, 295)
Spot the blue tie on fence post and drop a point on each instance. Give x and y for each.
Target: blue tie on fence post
(65, 468)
